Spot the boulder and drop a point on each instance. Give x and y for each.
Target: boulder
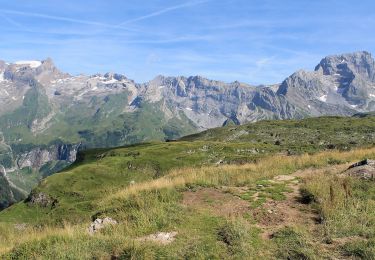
(364, 162)
(101, 223)
(363, 170)
(41, 199)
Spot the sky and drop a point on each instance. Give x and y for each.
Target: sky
(256, 42)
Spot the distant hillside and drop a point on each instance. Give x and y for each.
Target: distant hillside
(306, 135)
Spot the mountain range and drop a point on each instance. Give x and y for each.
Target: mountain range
(47, 115)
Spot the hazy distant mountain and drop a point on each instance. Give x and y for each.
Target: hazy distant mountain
(45, 114)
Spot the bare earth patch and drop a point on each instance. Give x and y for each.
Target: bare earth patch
(215, 201)
(274, 215)
(284, 178)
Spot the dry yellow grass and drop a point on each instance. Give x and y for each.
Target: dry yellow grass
(241, 174)
(11, 236)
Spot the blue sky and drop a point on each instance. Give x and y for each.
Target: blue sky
(250, 41)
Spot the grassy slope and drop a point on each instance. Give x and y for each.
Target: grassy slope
(102, 123)
(310, 134)
(99, 185)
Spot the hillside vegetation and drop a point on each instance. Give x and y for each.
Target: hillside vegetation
(272, 189)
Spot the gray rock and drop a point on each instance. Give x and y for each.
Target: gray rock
(100, 224)
(364, 162)
(20, 226)
(163, 238)
(41, 199)
(363, 170)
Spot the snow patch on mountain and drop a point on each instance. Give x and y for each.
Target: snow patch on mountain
(323, 98)
(111, 81)
(30, 63)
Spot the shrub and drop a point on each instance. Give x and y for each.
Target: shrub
(306, 196)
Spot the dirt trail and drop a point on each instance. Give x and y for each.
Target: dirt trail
(270, 216)
(274, 215)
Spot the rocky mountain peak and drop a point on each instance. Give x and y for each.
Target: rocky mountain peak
(158, 80)
(356, 63)
(47, 71)
(47, 64)
(114, 76)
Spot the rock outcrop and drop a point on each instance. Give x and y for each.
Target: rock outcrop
(41, 199)
(363, 170)
(37, 157)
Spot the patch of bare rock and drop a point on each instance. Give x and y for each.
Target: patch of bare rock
(41, 199)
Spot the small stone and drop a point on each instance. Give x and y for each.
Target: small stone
(20, 227)
(160, 237)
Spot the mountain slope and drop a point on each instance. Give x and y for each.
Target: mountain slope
(47, 115)
(99, 170)
(222, 196)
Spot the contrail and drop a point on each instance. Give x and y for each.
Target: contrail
(11, 21)
(61, 18)
(162, 11)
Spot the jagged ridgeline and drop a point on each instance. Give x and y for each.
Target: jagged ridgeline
(46, 115)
